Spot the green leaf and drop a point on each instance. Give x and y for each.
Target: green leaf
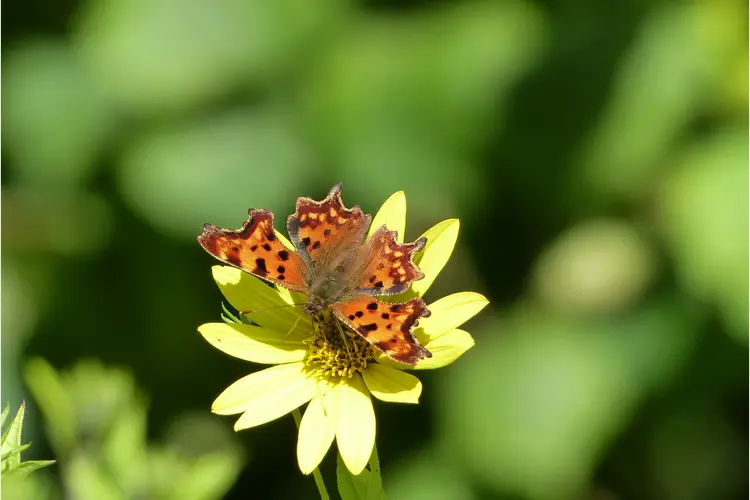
(358, 487)
(124, 448)
(54, 402)
(88, 479)
(12, 441)
(210, 476)
(6, 412)
(26, 468)
(12, 450)
(227, 316)
(10, 455)
(19, 487)
(230, 141)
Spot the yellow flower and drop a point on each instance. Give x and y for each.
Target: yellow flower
(336, 373)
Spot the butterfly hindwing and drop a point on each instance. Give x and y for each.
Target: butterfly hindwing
(388, 267)
(386, 326)
(254, 248)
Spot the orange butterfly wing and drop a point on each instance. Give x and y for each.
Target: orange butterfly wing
(254, 248)
(386, 326)
(322, 228)
(388, 268)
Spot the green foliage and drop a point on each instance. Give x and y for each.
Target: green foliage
(12, 467)
(16, 482)
(95, 418)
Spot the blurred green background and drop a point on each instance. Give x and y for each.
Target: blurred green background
(595, 151)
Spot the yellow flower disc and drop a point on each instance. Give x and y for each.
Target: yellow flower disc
(334, 350)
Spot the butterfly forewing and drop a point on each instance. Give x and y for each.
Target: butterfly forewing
(326, 227)
(254, 248)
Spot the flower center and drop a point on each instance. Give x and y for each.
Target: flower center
(334, 350)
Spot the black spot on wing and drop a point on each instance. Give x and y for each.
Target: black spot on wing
(359, 314)
(260, 267)
(379, 284)
(253, 248)
(306, 241)
(385, 316)
(271, 236)
(281, 269)
(327, 233)
(316, 245)
(372, 306)
(366, 329)
(283, 255)
(266, 247)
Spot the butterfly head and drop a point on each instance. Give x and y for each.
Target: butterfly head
(314, 305)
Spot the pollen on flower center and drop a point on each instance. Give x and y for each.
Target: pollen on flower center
(334, 350)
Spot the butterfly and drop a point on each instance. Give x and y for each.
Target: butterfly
(336, 266)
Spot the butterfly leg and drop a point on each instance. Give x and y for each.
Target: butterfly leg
(343, 336)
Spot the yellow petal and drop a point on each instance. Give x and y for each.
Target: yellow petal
(392, 214)
(248, 293)
(266, 395)
(354, 423)
(291, 297)
(315, 436)
(284, 241)
(445, 350)
(254, 343)
(448, 313)
(441, 238)
(389, 384)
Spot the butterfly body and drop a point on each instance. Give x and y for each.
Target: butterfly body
(336, 266)
(325, 290)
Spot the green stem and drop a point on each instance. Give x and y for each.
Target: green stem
(377, 480)
(316, 473)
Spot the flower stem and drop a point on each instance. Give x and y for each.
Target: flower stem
(316, 473)
(377, 481)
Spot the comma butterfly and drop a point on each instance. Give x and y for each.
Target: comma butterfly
(335, 266)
